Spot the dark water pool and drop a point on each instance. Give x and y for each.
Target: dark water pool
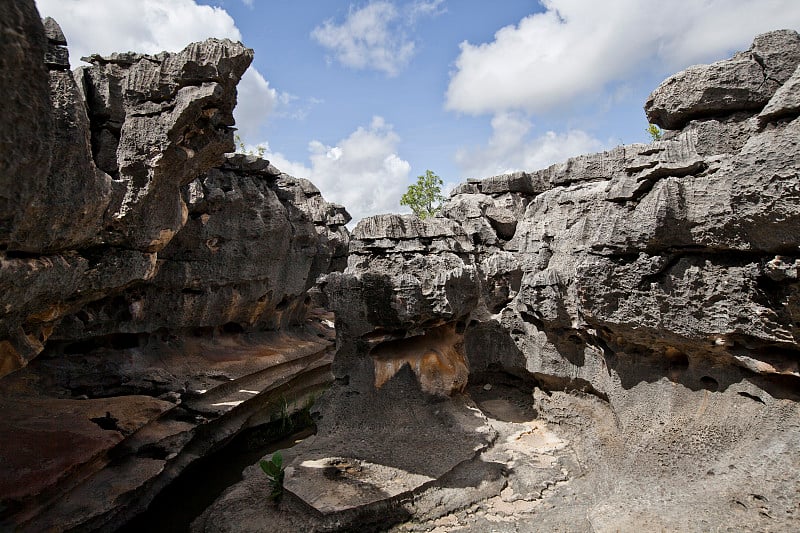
(174, 509)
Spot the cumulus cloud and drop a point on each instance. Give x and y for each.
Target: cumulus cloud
(511, 148)
(256, 100)
(148, 26)
(367, 39)
(363, 171)
(375, 36)
(575, 47)
(152, 26)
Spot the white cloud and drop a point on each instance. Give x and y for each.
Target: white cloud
(368, 38)
(425, 8)
(147, 26)
(152, 26)
(576, 48)
(295, 108)
(510, 148)
(256, 101)
(375, 36)
(363, 171)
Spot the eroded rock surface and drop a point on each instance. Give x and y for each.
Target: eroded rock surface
(155, 290)
(628, 321)
(65, 213)
(746, 82)
(228, 265)
(174, 113)
(26, 122)
(83, 234)
(608, 344)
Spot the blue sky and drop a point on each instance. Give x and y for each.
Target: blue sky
(363, 96)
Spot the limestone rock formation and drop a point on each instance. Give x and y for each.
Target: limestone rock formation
(65, 213)
(785, 101)
(746, 82)
(77, 236)
(607, 344)
(155, 290)
(218, 270)
(174, 113)
(26, 121)
(636, 310)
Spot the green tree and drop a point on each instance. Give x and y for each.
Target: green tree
(424, 197)
(655, 132)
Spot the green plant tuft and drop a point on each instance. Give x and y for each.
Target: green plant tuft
(241, 148)
(655, 132)
(275, 473)
(287, 424)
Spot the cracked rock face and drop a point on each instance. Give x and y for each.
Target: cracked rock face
(65, 213)
(45, 209)
(157, 294)
(746, 82)
(82, 230)
(227, 265)
(26, 122)
(144, 223)
(641, 302)
(166, 118)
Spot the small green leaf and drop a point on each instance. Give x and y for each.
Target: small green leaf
(274, 470)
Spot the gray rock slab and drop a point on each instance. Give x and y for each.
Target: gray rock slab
(745, 82)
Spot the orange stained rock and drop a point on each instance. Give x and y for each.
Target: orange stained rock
(10, 359)
(436, 358)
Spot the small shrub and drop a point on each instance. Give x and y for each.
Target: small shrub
(655, 132)
(241, 148)
(275, 472)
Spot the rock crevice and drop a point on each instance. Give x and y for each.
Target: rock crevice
(643, 302)
(157, 293)
(609, 343)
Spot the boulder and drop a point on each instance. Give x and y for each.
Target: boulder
(785, 103)
(746, 82)
(402, 272)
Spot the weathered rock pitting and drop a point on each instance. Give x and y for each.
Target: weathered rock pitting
(26, 122)
(642, 303)
(155, 290)
(78, 237)
(608, 344)
(745, 82)
(175, 118)
(228, 265)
